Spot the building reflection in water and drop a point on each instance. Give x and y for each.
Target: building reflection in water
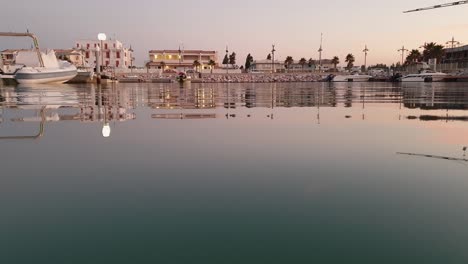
(118, 103)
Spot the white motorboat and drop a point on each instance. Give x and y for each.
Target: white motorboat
(51, 70)
(351, 78)
(425, 76)
(36, 67)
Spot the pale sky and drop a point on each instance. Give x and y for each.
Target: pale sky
(246, 26)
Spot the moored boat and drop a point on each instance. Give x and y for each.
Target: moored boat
(36, 67)
(425, 76)
(351, 78)
(51, 70)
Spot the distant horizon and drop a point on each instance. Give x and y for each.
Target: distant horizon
(245, 27)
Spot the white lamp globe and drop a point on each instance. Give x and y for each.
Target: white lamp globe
(106, 130)
(102, 36)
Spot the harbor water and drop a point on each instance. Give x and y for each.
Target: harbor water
(234, 173)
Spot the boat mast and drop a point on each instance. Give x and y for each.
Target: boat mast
(35, 41)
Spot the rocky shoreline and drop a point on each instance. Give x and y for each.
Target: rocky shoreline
(226, 78)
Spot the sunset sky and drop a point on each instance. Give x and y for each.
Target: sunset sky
(246, 26)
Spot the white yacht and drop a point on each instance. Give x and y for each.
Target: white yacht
(425, 76)
(351, 78)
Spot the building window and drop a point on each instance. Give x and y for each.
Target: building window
(118, 54)
(95, 45)
(114, 45)
(87, 54)
(87, 46)
(105, 46)
(107, 63)
(107, 55)
(77, 45)
(117, 63)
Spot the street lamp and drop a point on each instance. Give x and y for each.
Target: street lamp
(320, 51)
(273, 59)
(227, 61)
(365, 57)
(102, 37)
(402, 50)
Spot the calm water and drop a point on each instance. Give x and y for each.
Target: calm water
(234, 173)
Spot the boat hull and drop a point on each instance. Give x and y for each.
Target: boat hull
(82, 77)
(25, 77)
(424, 79)
(351, 78)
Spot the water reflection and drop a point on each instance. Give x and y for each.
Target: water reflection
(119, 102)
(265, 168)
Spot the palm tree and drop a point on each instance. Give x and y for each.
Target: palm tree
(413, 56)
(212, 63)
(302, 62)
(350, 60)
(289, 60)
(335, 61)
(196, 64)
(433, 50)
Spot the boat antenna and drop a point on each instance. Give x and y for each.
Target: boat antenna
(433, 156)
(437, 6)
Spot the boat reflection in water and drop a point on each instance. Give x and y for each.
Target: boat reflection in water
(63, 103)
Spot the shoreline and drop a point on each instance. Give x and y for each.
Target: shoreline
(223, 78)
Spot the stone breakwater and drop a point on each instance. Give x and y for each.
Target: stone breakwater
(231, 78)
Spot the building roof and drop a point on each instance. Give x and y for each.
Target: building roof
(14, 50)
(183, 51)
(457, 49)
(267, 62)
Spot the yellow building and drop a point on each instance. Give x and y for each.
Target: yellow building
(181, 59)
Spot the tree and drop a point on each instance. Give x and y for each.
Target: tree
(196, 64)
(269, 56)
(311, 63)
(413, 56)
(226, 60)
(302, 62)
(232, 59)
(212, 64)
(289, 60)
(350, 60)
(433, 50)
(248, 62)
(335, 61)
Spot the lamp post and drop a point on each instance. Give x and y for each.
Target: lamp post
(365, 57)
(273, 59)
(402, 50)
(98, 65)
(180, 57)
(101, 37)
(227, 61)
(320, 51)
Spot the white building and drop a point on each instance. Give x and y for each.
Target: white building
(113, 53)
(266, 66)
